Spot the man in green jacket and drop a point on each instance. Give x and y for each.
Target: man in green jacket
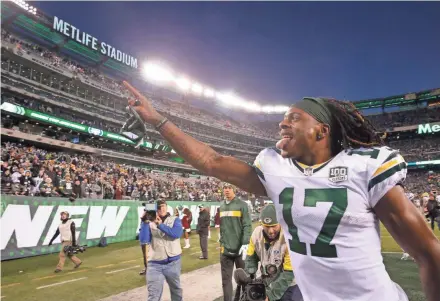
(235, 233)
(268, 248)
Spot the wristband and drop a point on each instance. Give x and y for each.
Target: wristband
(160, 124)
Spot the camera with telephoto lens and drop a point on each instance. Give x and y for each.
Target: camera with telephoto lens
(150, 212)
(255, 291)
(252, 289)
(72, 250)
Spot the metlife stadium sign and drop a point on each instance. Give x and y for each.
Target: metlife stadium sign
(90, 41)
(28, 223)
(428, 128)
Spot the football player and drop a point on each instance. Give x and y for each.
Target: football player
(331, 181)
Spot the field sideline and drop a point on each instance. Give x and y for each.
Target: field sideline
(114, 269)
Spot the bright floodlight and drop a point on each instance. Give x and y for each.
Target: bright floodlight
(183, 84)
(208, 92)
(156, 72)
(275, 109)
(197, 88)
(253, 106)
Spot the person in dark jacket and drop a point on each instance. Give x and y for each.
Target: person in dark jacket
(203, 230)
(433, 210)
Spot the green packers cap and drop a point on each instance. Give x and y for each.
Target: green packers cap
(268, 216)
(227, 185)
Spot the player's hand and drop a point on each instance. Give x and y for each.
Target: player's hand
(145, 109)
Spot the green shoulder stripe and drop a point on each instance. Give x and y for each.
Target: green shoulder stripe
(259, 173)
(391, 156)
(383, 176)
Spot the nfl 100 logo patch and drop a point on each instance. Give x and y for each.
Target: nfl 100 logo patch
(338, 174)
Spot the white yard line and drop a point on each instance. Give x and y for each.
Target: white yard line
(116, 271)
(62, 282)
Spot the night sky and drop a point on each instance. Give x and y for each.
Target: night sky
(276, 52)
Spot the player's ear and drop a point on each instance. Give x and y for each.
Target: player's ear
(325, 130)
(322, 132)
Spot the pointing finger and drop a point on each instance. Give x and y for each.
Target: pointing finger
(132, 89)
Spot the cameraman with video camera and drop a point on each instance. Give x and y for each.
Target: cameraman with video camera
(268, 247)
(164, 259)
(68, 238)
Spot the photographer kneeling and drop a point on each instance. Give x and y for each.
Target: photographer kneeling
(164, 258)
(268, 246)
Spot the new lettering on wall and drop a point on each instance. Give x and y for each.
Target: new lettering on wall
(86, 39)
(28, 223)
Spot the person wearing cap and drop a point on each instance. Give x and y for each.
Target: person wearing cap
(164, 260)
(235, 232)
(268, 247)
(203, 230)
(67, 231)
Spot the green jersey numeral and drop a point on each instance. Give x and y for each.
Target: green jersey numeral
(371, 153)
(322, 246)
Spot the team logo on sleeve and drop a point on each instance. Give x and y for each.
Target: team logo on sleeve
(338, 174)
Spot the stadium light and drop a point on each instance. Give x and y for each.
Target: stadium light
(274, 109)
(197, 88)
(26, 6)
(157, 72)
(253, 106)
(208, 93)
(183, 84)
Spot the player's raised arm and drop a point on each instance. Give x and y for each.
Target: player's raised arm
(408, 227)
(196, 153)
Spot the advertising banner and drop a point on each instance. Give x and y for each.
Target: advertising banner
(29, 223)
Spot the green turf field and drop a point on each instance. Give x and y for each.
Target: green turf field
(114, 269)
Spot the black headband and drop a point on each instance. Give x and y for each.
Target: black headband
(317, 108)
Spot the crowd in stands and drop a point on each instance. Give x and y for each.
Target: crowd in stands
(27, 170)
(388, 121)
(170, 106)
(61, 61)
(419, 182)
(418, 149)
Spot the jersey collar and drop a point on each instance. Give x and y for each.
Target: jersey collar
(309, 170)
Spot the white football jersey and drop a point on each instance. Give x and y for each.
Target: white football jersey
(327, 218)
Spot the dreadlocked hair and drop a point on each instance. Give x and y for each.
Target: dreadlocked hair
(351, 130)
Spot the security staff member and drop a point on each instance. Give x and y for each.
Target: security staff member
(68, 238)
(235, 232)
(268, 247)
